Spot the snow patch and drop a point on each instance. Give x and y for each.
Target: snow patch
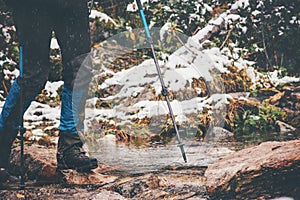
(102, 17)
(52, 88)
(274, 77)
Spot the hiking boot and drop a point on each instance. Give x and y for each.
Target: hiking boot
(70, 154)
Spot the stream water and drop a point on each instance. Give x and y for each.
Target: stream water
(132, 159)
(136, 159)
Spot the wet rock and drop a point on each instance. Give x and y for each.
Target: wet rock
(102, 194)
(219, 132)
(271, 169)
(40, 166)
(40, 163)
(284, 127)
(104, 182)
(47, 141)
(283, 198)
(54, 192)
(152, 194)
(72, 177)
(130, 186)
(175, 185)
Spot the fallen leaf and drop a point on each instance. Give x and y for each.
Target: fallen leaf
(20, 196)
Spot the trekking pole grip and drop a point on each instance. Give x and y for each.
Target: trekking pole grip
(140, 7)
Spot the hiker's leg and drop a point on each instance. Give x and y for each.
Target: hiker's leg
(33, 31)
(73, 35)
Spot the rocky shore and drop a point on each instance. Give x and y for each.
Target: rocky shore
(266, 171)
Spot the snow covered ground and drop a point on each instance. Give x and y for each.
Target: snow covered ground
(140, 84)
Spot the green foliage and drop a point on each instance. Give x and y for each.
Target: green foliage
(269, 30)
(259, 121)
(188, 16)
(117, 11)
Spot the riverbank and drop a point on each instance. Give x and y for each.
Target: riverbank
(274, 163)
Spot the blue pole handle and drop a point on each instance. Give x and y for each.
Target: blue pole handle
(21, 60)
(140, 7)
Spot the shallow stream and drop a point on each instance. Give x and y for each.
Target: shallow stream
(138, 159)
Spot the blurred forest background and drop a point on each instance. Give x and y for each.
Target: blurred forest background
(266, 32)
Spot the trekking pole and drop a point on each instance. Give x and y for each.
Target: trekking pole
(21, 128)
(164, 90)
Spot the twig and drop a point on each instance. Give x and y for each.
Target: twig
(227, 37)
(5, 88)
(185, 45)
(265, 48)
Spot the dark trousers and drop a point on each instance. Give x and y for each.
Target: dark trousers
(35, 21)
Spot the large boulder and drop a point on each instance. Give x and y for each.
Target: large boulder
(40, 166)
(268, 170)
(39, 162)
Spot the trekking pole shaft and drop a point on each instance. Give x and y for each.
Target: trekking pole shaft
(21, 129)
(164, 90)
(165, 94)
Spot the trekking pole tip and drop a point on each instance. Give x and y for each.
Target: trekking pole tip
(182, 151)
(184, 158)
